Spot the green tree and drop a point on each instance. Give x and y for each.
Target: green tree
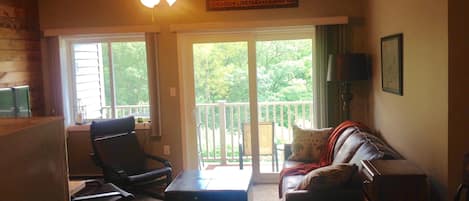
(220, 72)
(284, 71)
(130, 73)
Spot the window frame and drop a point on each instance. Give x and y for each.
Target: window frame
(69, 69)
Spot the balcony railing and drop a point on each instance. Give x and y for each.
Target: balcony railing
(127, 110)
(219, 125)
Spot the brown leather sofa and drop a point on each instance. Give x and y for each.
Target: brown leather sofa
(352, 146)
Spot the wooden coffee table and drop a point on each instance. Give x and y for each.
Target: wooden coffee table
(210, 185)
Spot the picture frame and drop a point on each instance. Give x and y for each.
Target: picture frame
(220, 5)
(392, 64)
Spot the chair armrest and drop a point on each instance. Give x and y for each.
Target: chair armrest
(159, 159)
(118, 172)
(287, 151)
(115, 174)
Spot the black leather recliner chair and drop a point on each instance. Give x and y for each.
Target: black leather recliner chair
(118, 153)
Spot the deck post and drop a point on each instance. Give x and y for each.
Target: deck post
(222, 110)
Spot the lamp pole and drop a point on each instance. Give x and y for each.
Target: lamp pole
(345, 68)
(347, 96)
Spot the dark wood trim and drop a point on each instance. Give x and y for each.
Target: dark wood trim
(220, 5)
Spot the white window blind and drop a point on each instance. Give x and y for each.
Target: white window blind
(89, 83)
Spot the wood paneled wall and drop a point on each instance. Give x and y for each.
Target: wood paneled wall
(20, 51)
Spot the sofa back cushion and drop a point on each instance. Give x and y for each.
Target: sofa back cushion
(327, 177)
(355, 145)
(348, 147)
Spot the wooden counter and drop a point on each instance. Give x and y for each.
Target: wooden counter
(33, 159)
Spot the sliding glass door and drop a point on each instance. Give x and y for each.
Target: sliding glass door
(243, 91)
(284, 95)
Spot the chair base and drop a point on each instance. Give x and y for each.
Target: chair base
(153, 189)
(96, 189)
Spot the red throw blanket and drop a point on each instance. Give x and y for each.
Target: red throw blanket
(326, 159)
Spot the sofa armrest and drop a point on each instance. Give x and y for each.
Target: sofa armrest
(297, 195)
(342, 194)
(287, 151)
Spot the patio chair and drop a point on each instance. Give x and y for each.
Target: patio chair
(267, 144)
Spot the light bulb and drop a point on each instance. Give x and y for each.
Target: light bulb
(171, 2)
(150, 3)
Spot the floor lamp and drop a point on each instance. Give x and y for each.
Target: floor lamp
(345, 68)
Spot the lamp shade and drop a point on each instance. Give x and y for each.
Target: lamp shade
(150, 3)
(347, 67)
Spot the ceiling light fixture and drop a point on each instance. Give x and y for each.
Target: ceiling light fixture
(150, 3)
(171, 2)
(153, 3)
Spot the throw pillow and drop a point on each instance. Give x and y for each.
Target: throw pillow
(328, 177)
(308, 144)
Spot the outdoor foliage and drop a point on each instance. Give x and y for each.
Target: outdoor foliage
(221, 72)
(130, 73)
(284, 71)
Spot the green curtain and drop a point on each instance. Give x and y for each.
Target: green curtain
(330, 39)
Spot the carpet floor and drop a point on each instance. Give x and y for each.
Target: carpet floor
(261, 192)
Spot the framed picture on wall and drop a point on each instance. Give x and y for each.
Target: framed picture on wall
(391, 64)
(214, 5)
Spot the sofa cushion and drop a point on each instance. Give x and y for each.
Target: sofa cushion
(308, 144)
(349, 147)
(327, 177)
(291, 182)
(343, 137)
(368, 151)
(355, 145)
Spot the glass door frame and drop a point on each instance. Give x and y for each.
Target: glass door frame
(187, 100)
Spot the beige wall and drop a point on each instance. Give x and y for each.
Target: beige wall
(89, 13)
(458, 89)
(415, 124)
(69, 13)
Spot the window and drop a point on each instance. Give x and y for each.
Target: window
(108, 77)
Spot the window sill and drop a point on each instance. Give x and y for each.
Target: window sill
(86, 127)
